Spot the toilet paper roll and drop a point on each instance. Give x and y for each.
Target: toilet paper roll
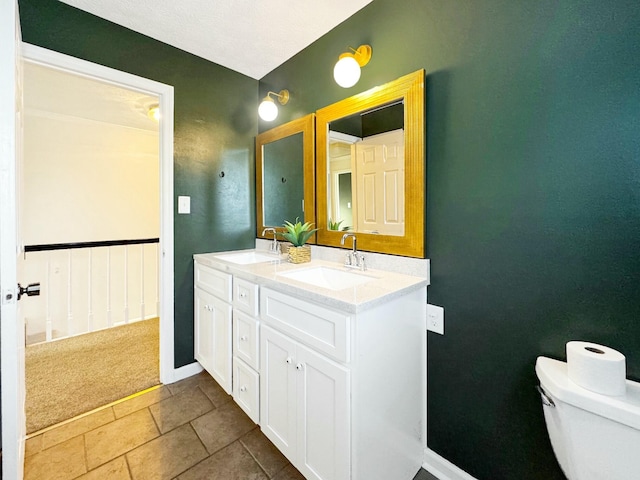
(597, 368)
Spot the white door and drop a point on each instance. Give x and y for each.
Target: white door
(278, 390)
(379, 183)
(12, 334)
(323, 419)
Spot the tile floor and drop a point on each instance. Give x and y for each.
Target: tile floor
(189, 430)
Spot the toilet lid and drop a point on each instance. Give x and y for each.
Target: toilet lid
(623, 409)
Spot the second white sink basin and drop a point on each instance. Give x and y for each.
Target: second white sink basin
(247, 258)
(330, 278)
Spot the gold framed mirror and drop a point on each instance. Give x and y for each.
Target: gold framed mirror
(285, 174)
(371, 168)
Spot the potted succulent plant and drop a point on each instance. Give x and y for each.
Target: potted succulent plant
(298, 234)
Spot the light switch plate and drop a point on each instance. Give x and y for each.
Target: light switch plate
(435, 319)
(184, 204)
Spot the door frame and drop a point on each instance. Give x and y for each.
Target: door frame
(66, 63)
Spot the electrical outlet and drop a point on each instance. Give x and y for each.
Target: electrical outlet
(435, 319)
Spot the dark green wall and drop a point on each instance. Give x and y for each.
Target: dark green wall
(282, 181)
(533, 197)
(214, 126)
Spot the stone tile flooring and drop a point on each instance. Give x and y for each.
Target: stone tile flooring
(424, 475)
(189, 430)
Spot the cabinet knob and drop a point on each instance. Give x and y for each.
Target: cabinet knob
(244, 338)
(289, 360)
(299, 366)
(243, 389)
(243, 295)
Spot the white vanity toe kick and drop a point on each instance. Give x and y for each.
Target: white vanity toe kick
(380, 286)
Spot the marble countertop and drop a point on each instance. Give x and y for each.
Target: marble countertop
(382, 287)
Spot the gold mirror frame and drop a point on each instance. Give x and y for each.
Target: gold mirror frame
(410, 90)
(304, 125)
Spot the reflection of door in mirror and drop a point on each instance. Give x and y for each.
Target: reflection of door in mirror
(283, 180)
(379, 184)
(370, 145)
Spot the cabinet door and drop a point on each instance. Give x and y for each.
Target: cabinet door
(203, 329)
(213, 337)
(278, 390)
(323, 417)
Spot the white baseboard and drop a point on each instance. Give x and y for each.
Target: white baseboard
(186, 371)
(443, 468)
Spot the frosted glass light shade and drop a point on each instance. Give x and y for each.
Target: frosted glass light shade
(154, 112)
(268, 110)
(347, 71)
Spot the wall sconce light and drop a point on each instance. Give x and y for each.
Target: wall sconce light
(154, 112)
(347, 69)
(268, 110)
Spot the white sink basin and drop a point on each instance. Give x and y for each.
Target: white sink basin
(247, 258)
(330, 278)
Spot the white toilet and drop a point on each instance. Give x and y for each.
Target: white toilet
(594, 436)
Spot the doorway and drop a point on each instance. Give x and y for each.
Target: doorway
(89, 222)
(161, 297)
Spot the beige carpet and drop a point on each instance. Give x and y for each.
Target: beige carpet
(72, 376)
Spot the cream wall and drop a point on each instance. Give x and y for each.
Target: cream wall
(86, 180)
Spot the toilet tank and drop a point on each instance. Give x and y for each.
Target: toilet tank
(594, 436)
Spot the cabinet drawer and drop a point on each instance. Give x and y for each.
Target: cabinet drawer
(245, 296)
(246, 389)
(321, 328)
(245, 338)
(213, 281)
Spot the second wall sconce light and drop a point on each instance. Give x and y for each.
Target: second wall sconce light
(347, 69)
(268, 110)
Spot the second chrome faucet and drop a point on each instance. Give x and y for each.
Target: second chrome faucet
(354, 259)
(274, 247)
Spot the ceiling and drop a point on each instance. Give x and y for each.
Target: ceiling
(48, 91)
(252, 37)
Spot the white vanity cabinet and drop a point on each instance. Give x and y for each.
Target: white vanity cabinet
(342, 395)
(336, 379)
(305, 406)
(212, 323)
(226, 334)
(246, 360)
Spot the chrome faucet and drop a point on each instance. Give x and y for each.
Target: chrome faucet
(275, 246)
(354, 259)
